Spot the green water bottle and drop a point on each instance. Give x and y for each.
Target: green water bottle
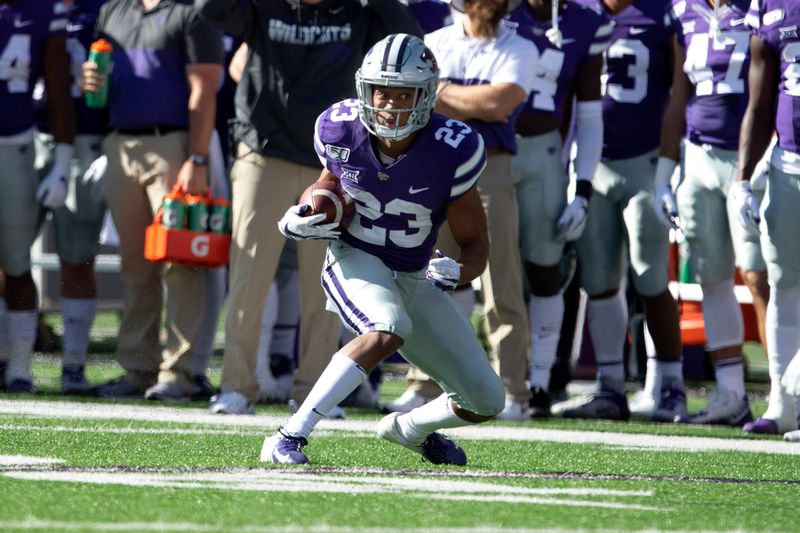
(100, 53)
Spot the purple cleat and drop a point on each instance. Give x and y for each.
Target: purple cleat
(765, 426)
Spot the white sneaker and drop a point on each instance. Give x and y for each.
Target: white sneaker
(643, 405)
(724, 408)
(514, 411)
(405, 402)
(337, 412)
(231, 403)
(792, 436)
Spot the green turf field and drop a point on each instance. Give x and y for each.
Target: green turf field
(82, 464)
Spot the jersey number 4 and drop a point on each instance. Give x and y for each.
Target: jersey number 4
(15, 63)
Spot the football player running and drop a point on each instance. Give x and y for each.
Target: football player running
(570, 38)
(409, 171)
(773, 105)
(709, 94)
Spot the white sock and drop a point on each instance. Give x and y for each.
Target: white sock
(203, 344)
(783, 339)
(438, 413)
(730, 375)
(21, 337)
(608, 325)
(722, 315)
(465, 301)
(545, 314)
(340, 378)
(78, 315)
(652, 376)
(672, 370)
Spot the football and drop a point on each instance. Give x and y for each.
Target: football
(330, 198)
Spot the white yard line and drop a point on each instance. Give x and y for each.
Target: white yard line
(407, 486)
(268, 423)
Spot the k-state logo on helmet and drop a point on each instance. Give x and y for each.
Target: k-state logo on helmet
(337, 153)
(200, 245)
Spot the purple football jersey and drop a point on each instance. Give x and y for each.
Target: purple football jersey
(586, 31)
(399, 207)
(716, 63)
(637, 80)
(777, 23)
(80, 35)
(25, 26)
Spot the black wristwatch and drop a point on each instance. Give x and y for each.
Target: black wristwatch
(198, 159)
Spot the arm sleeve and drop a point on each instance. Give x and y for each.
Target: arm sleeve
(588, 137)
(231, 16)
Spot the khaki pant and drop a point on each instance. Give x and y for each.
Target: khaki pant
(263, 188)
(504, 310)
(141, 170)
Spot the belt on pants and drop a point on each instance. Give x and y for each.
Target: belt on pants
(158, 129)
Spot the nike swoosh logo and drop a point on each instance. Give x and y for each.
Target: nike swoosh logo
(22, 23)
(637, 31)
(315, 410)
(412, 190)
(737, 22)
(567, 41)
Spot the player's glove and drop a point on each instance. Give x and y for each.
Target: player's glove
(443, 272)
(295, 226)
(95, 178)
(663, 198)
(791, 377)
(573, 219)
(52, 191)
(746, 205)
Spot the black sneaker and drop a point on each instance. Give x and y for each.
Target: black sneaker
(21, 385)
(539, 403)
(606, 404)
(73, 380)
(204, 390)
(441, 450)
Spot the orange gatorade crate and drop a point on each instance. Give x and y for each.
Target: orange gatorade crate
(190, 230)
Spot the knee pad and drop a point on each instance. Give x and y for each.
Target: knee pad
(722, 315)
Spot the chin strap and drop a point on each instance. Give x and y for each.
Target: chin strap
(554, 34)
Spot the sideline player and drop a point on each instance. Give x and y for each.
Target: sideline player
(709, 94)
(570, 38)
(32, 44)
(774, 100)
(409, 171)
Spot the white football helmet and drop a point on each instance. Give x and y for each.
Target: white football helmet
(398, 60)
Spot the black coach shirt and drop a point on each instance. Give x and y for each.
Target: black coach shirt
(151, 51)
(303, 58)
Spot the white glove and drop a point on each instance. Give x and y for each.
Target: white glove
(746, 205)
(573, 220)
(95, 177)
(52, 191)
(664, 203)
(295, 226)
(791, 376)
(443, 272)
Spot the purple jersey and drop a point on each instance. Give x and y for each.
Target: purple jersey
(400, 206)
(636, 81)
(777, 23)
(586, 31)
(431, 14)
(25, 26)
(716, 64)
